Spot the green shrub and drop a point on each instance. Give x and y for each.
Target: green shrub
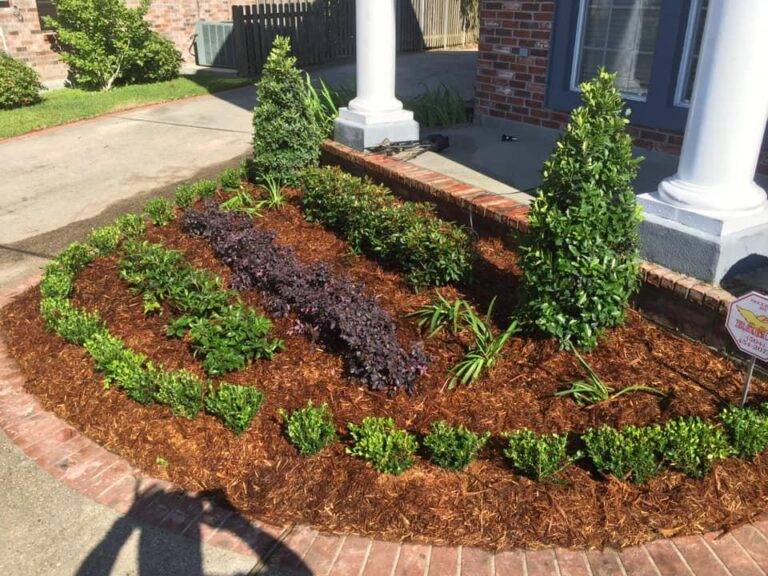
(632, 452)
(748, 430)
(406, 235)
(77, 326)
(182, 391)
(106, 43)
(105, 239)
(286, 137)
(692, 445)
(76, 256)
(137, 381)
(453, 447)
(187, 194)
(19, 84)
(227, 340)
(130, 225)
(159, 211)
(234, 405)
(580, 260)
(105, 350)
(310, 429)
(535, 456)
(231, 179)
(57, 281)
(388, 448)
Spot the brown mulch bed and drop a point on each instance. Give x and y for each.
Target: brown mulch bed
(488, 505)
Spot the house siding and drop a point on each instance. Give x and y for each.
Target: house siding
(513, 66)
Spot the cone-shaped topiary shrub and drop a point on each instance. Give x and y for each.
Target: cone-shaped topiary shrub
(580, 261)
(286, 137)
(19, 84)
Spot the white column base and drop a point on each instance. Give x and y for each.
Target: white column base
(707, 245)
(364, 130)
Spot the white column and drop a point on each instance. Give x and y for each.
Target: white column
(375, 114)
(714, 188)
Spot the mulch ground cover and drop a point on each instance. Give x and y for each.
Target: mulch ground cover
(488, 505)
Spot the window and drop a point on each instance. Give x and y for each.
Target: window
(619, 35)
(694, 32)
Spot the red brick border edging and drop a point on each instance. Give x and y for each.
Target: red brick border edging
(84, 466)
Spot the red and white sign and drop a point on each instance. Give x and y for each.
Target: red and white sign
(747, 323)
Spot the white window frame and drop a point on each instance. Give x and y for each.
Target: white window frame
(685, 66)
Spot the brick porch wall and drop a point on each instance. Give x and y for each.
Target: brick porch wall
(513, 86)
(174, 19)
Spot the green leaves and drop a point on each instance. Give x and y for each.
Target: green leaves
(632, 452)
(159, 211)
(310, 429)
(539, 457)
(404, 235)
(286, 135)
(388, 448)
(580, 259)
(692, 445)
(453, 447)
(19, 84)
(234, 405)
(747, 429)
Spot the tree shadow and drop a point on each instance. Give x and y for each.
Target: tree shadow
(195, 517)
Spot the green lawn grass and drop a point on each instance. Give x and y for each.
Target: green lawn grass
(68, 104)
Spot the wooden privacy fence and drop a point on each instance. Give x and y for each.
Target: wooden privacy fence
(324, 30)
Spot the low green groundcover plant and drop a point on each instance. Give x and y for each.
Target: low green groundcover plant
(632, 452)
(159, 211)
(19, 83)
(105, 239)
(453, 447)
(187, 194)
(538, 457)
(580, 260)
(747, 429)
(692, 445)
(310, 429)
(388, 448)
(406, 235)
(234, 405)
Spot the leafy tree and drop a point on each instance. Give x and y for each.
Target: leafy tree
(286, 135)
(580, 261)
(19, 84)
(105, 43)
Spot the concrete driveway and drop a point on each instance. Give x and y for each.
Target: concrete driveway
(57, 184)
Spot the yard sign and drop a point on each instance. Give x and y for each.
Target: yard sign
(747, 323)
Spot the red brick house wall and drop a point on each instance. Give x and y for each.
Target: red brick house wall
(174, 19)
(512, 66)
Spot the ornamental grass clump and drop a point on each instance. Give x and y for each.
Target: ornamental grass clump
(390, 449)
(405, 235)
(692, 445)
(234, 405)
(632, 453)
(310, 429)
(580, 260)
(538, 457)
(453, 447)
(286, 135)
(747, 429)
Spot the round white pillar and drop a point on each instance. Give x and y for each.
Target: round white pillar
(727, 116)
(375, 115)
(376, 53)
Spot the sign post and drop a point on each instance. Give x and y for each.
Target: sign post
(747, 323)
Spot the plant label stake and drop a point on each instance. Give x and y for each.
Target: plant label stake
(747, 323)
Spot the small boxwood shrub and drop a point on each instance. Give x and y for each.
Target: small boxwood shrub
(105, 239)
(341, 315)
(747, 429)
(159, 211)
(286, 137)
(76, 256)
(77, 326)
(19, 83)
(57, 281)
(692, 445)
(231, 179)
(453, 447)
(538, 457)
(182, 391)
(234, 405)
(389, 449)
(407, 235)
(632, 452)
(130, 225)
(187, 194)
(310, 429)
(580, 260)
(137, 381)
